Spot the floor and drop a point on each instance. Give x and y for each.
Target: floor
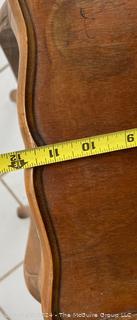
(15, 301)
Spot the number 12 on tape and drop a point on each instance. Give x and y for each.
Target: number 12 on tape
(68, 150)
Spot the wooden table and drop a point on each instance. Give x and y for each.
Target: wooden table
(76, 62)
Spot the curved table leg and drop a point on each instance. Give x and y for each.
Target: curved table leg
(32, 258)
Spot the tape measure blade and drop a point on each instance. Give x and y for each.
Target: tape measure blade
(68, 150)
(4, 162)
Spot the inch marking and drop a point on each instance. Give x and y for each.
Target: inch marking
(16, 162)
(68, 150)
(53, 153)
(86, 146)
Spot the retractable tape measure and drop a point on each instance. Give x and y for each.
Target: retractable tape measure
(68, 150)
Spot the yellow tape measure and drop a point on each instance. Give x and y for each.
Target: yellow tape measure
(68, 150)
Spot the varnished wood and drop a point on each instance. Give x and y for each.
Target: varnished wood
(32, 263)
(9, 45)
(77, 78)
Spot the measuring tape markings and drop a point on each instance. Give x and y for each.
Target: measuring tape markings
(68, 150)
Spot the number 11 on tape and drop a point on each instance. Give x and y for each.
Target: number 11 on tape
(68, 150)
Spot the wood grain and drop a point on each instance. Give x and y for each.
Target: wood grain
(80, 80)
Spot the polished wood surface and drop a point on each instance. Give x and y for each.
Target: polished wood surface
(78, 78)
(32, 258)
